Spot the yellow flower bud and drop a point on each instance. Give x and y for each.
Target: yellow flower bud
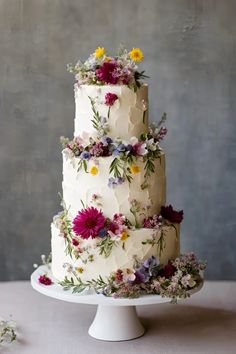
(80, 269)
(135, 169)
(94, 170)
(124, 235)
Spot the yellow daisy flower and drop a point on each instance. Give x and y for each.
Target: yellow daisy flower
(99, 52)
(94, 170)
(124, 235)
(135, 169)
(136, 54)
(80, 269)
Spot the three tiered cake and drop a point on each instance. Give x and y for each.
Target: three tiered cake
(115, 233)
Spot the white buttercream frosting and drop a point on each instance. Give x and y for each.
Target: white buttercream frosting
(126, 115)
(80, 186)
(128, 118)
(119, 258)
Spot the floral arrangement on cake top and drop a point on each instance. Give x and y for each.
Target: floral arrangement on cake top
(103, 69)
(173, 280)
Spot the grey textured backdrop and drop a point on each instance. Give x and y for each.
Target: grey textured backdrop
(190, 51)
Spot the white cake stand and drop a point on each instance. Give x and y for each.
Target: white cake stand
(115, 320)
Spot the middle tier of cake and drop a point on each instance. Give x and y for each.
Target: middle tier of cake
(98, 187)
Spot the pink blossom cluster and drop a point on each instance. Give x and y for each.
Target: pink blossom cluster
(139, 147)
(117, 225)
(172, 280)
(113, 72)
(45, 280)
(110, 99)
(152, 222)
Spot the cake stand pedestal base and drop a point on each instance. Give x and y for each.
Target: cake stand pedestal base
(116, 323)
(115, 320)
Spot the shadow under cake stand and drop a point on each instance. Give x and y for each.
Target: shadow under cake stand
(115, 319)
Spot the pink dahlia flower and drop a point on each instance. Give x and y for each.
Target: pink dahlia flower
(110, 98)
(88, 223)
(107, 72)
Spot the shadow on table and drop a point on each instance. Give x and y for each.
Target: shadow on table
(189, 321)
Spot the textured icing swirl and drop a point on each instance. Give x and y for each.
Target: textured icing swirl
(126, 118)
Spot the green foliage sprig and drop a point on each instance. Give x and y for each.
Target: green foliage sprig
(79, 285)
(97, 122)
(106, 245)
(159, 242)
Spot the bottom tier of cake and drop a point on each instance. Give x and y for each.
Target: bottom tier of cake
(96, 257)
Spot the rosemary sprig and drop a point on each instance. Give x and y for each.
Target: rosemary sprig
(97, 119)
(96, 116)
(79, 285)
(116, 167)
(82, 164)
(106, 245)
(160, 242)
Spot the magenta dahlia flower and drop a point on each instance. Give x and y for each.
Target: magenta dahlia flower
(88, 223)
(110, 98)
(171, 215)
(107, 72)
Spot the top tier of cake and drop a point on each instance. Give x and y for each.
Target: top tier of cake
(127, 117)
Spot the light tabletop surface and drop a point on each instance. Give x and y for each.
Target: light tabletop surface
(205, 323)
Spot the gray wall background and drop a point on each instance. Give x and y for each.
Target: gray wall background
(190, 54)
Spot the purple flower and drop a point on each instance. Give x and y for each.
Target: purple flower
(102, 233)
(141, 275)
(99, 149)
(152, 266)
(150, 262)
(120, 148)
(162, 133)
(85, 155)
(106, 140)
(112, 182)
(107, 72)
(110, 98)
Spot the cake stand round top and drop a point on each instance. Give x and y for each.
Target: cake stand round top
(56, 291)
